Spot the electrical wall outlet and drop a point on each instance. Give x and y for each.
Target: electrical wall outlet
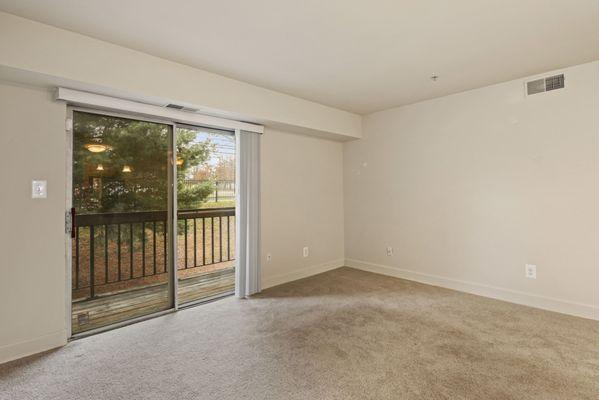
(268, 257)
(306, 252)
(531, 271)
(389, 251)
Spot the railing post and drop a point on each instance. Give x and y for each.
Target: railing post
(77, 271)
(118, 244)
(185, 240)
(92, 278)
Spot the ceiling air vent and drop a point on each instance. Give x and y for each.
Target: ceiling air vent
(545, 84)
(175, 106)
(181, 108)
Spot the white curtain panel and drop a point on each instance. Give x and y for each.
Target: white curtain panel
(247, 210)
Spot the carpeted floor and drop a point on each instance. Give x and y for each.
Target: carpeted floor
(345, 334)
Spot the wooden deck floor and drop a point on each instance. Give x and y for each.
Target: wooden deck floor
(110, 309)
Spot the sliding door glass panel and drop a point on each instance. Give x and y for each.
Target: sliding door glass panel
(120, 244)
(206, 213)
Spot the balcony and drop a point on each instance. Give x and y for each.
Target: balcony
(120, 263)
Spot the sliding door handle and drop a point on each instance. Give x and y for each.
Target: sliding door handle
(73, 214)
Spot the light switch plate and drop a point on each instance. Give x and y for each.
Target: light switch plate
(39, 189)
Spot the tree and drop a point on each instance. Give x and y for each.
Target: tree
(191, 154)
(225, 169)
(205, 172)
(131, 174)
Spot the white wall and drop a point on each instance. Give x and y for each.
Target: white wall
(466, 188)
(469, 188)
(32, 145)
(302, 205)
(32, 239)
(33, 51)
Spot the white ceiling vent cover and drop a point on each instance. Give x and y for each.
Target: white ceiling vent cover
(181, 108)
(545, 84)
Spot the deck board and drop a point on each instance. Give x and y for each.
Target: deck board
(120, 307)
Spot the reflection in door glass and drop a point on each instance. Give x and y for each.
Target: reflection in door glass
(206, 217)
(120, 241)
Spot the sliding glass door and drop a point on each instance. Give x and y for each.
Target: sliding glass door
(206, 213)
(153, 217)
(121, 246)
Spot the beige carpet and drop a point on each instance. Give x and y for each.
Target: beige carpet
(345, 334)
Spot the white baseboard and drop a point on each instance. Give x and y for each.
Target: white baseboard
(304, 272)
(509, 295)
(14, 351)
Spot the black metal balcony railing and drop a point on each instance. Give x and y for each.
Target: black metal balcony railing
(113, 250)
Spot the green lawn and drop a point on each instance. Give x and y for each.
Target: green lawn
(219, 204)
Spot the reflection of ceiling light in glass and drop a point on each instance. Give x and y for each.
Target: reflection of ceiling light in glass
(96, 147)
(100, 167)
(179, 161)
(126, 168)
